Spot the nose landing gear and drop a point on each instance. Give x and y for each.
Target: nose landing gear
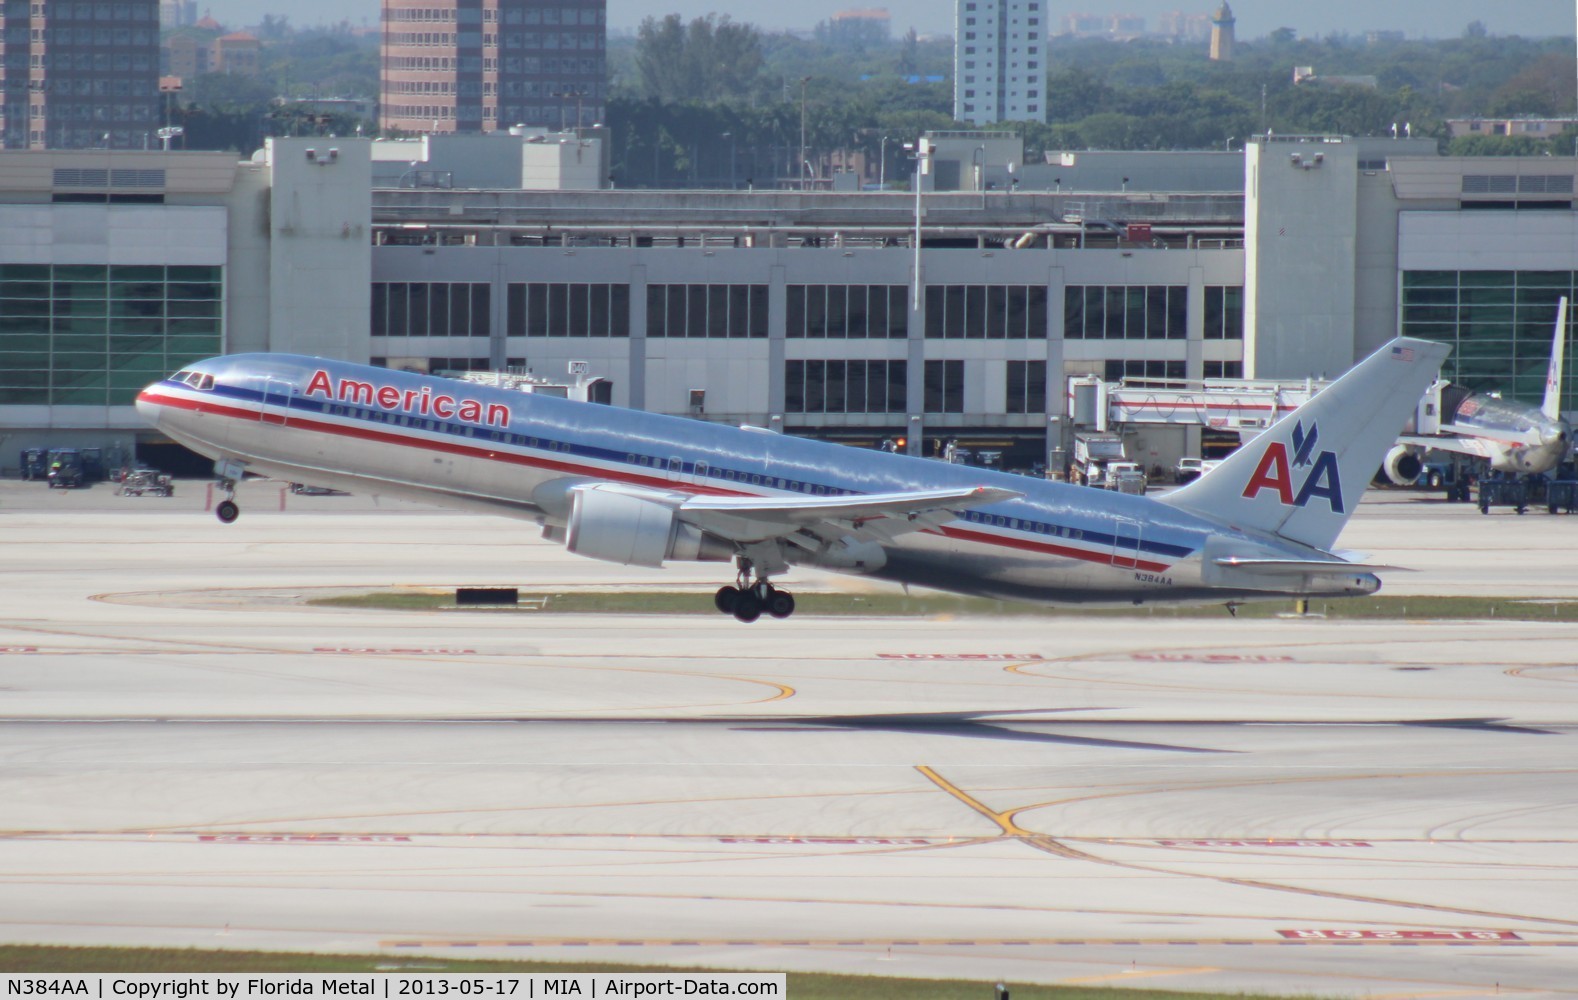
(752, 596)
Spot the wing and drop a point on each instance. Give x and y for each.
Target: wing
(1474, 446)
(877, 517)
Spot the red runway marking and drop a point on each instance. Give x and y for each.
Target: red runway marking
(960, 656)
(1368, 935)
(1262, 843)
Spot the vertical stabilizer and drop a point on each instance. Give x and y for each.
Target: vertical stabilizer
(1552, 406)
(1302, 477)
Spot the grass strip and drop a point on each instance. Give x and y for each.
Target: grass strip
(801, 985)
(884, 605)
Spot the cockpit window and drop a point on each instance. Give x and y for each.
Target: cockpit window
(197, 380)
(181, 376)
(205, 382)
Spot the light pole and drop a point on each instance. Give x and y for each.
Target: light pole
(882, 165)
(978, 167)
(922, 165)
(563, 95)
(803, 81)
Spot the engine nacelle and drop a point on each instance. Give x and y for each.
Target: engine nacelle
(631, 530)
(1403, 465)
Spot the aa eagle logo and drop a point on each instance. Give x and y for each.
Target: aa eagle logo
(1320, 478)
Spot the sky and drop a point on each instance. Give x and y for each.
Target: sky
(1418, 18)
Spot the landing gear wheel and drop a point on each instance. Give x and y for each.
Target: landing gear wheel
(780, 604)
(227, 511)
(747, 606)
(725, 599)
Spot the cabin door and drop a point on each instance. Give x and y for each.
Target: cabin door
(1126, 535)
(276, 400)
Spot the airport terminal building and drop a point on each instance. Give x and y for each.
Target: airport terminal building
(816, 313)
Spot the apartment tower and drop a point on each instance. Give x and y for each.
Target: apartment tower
(999, 63)
(77, 75)
(485, 65)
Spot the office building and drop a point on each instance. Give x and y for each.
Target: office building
(999, 61)
(79, 75)
(486, 65)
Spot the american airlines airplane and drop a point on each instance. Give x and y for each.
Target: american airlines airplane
(1508, 436)
(643, 489)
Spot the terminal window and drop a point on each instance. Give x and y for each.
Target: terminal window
(562, 309)
(1125, 312)
(1224, 312)
(845, 386)
(1124, 368)
(1499, 324)
(430, 309)
(944, 387)
(847, 311)
(732, 311)
(95, 334)
(986, 312)
(1027, 387)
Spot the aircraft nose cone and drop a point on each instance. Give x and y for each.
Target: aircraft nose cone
(147, 408)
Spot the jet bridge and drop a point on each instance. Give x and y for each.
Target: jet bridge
(1247, 406)
(1230, 411)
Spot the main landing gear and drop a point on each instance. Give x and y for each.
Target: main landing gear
(226, 510)
(753, 595)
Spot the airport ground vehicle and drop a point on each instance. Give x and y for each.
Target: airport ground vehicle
(1093, 453)
(65, 469)
(1189, 469)
(143, 481)
(1126, 477)
(34, 463)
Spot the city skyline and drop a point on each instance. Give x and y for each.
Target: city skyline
(1256, 18)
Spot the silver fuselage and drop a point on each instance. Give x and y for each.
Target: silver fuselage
(407, 435)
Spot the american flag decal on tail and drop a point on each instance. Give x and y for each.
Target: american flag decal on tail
(1402, 354)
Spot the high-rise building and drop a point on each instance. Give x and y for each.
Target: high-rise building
(78, 75)
(177, 13)
(485, 65)
(1222, 34)
(999, 63)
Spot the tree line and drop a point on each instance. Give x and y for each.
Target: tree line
(711, 101)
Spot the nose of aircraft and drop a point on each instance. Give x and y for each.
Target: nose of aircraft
(147, 408)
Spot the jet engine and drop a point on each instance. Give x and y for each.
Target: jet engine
(1403, 465)
(620, 527)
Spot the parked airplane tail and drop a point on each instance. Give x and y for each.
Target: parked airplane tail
(1303, 477)
(1552, 407)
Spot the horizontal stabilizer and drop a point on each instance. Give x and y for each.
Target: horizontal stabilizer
(1302, 566)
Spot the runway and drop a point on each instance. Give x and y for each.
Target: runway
(191, 756)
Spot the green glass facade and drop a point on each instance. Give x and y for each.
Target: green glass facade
(1499, 324)
(94, 334)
